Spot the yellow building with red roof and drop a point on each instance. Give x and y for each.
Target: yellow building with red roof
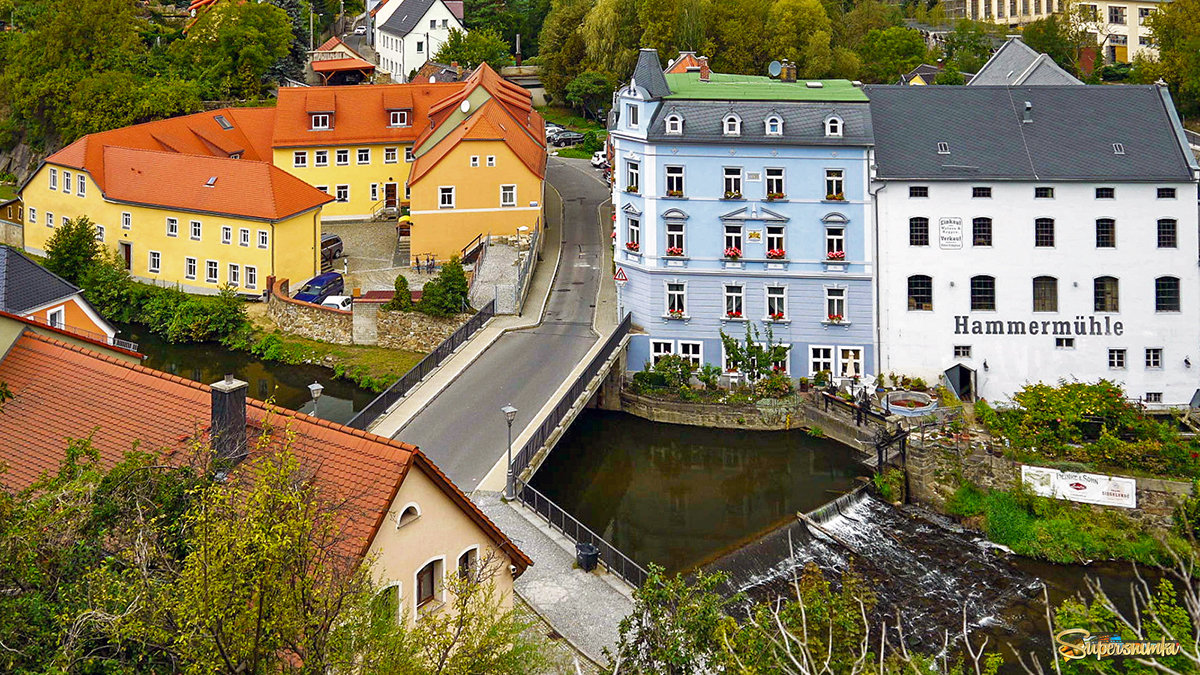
(233, 196)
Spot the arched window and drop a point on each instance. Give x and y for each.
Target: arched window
(674, 124)
(981, 232)
(732, 125)
(429, 582)
(1166, 294)
(833, 126)
(920, 293)
(918, 231)
(408, 514)
(1107, 294)
(1106, 233)
(983, 293)
(774, 126)
(1043, 232)
(1045, 294)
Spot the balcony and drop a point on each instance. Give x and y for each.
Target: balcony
(87, 334)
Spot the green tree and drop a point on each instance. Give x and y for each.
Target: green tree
(1056, 37)
(233, 46)
(612, 33)
(851, 27)
(107, 285)
(949, 75)
(1176, 28)
(471, 49)
(734, 40)
(792, 25)
(659, 20)
(889, 53)
(561, 45)
(590, 91)
(402, 300)
(754, 357)
(445, 294)
(968, 46)
(72, 248)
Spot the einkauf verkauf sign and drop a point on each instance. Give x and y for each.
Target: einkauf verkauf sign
(1088, 488)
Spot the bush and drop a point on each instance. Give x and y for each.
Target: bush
(709, 376)
(402, 301)
(72, 248)
(775, 385)
(890, 484)
(591, 143)
(446, 294)
(676, 370)
(109, 289)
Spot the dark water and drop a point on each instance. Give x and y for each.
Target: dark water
(209, 362)
(679, 495)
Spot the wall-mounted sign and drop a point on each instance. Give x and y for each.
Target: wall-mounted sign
(753, 235)
(950, 232)
(1080, 325)
(753, 176)
(1088, 488)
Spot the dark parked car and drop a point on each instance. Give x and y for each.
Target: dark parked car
(331, 247)
(567, 138)
(316, 289)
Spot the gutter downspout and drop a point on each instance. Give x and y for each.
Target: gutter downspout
(878, 272)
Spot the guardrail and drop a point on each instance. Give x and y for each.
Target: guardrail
(1192, 137)
(90, 335)
(616, 562)
(433, 359)
(861, 414)
(525, 455)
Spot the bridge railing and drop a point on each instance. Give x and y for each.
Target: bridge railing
(525, 455)
(616, 562)
(862, 414)
(433, 359)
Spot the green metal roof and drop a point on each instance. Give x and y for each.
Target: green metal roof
(726, 87)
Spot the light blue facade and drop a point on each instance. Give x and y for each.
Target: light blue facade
(804, 283)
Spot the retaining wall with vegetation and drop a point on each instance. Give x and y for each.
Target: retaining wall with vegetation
(306, 319)
(415, 331)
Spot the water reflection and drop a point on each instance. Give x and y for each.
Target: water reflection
(679, 495)
(209, 362)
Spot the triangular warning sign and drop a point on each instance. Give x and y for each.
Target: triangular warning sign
(620, 275)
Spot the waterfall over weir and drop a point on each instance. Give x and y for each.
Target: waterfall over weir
(920, 567)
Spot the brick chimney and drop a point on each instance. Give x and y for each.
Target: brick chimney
(227, 432)
(705, 71)
(788, 72)
(455, 68)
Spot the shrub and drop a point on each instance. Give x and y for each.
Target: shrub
(890, 484)
(775, 385)
(445, 294)
(109, 289)
(591, 142)
(72, 248)
(709, 376)
(676, 370)
(402, 301)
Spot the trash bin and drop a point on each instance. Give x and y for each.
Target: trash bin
(587, 555)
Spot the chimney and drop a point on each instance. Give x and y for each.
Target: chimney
(704, 69)
(518, 50)
(788, 72)
(455, 68)
(1028, 119)
(227, 432)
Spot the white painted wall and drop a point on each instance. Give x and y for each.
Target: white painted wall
(921, 343)
(398, 54)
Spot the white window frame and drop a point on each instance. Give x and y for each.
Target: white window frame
(509, 191)
(491, 160)
(835, 127)
(674, 174)
(391, 156)
(843, 362)
(363, 157)
(782, 297)
(729, 180)
(735, 292)
(215, 268)
(439, 595)
(835, 178)
(1153, 358)
(777, 121)
(81, 185)
(474, 161)
(172, 227)
(773, 232)
(398, 118)
(193, 265)
(674, 125)
(661, 348)
(226, 234)
(633, 231)
(49, 219)
(99, 233)
(65, 220)
(299, 159)
(780, 178)
(264, 239)
(154, 262)
(57, 317)
(234, 274)
(126, 220)
(318, 121)
(410, 157)
(736, 231)
(632, 115)
(832, 301)
(374, 192)
(698, 357)
(195, 230)
(53, 178)
(731, 125)
(835, 236)
(244, 237)
(31, 214)
(251, 274)
(320, 158)
(442, 195)
(813, 359)
(667, 293)
(633, 176)
(338, 191)
(677, 230)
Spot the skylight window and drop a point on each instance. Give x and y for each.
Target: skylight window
(223, 122)
(943, 148)
(212, 181)
(1118, 149)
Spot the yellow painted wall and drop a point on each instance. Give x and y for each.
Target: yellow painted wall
(444, 232)
(442, 530)
(358, 177)
(292, 244)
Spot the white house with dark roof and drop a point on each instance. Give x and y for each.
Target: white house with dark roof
(1037, 233)
(407, 33)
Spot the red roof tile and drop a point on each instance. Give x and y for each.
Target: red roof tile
(336, 65)
(360, 113)
(61, 391)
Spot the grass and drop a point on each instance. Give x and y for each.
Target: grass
(1057, 530)
(566, 117)
(574, 153)
(7, 192)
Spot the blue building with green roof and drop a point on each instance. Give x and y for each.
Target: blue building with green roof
(744, 200)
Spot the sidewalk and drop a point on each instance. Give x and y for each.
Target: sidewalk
(585, 608)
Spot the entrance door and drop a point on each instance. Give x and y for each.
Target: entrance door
(389, 195)
(962, 380)
(127, 254)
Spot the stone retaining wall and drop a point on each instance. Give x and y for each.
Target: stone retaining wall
(306, 319)
(933, 473)
(415, 331)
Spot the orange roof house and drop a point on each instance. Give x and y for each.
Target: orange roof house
(397, 505)
(337, 63)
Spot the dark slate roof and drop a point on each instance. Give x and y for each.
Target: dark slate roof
(803, 122)
(406, 16)
(928, 73)
(25, 284)
(1071, 135)
(1016, 63)
(648, 74)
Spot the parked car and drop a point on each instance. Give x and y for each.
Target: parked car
(567, 138)
(599, 159)
(338, 302)
(360, 30)
(320, 287)
(331, 247)
(552, 133)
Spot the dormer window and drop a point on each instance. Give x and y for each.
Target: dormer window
(833, 127)
(732, 125)
(774, 126)
(398, 118)
(320, 121)
(674, 124)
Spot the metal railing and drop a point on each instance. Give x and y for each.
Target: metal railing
(1193, 138)
(525, 272)
(616, 562)
(525, 455)
(375, 409)
(861, 413)
(87, 334)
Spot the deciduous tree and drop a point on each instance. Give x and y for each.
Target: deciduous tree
(889, 53)
(72, 248)
(1176, 27)
(471, 49)
(232, 46)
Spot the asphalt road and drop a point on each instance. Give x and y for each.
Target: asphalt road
(462, 429)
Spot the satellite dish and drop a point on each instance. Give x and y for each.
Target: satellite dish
(465, 106)
(774, 68)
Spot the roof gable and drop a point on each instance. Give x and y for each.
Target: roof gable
(1016, 63)
(26, 285)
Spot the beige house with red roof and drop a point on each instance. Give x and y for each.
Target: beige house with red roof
(395, 505)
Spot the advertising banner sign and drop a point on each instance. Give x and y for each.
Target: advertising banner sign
(1088, 488)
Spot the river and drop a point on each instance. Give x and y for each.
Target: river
(208, 362)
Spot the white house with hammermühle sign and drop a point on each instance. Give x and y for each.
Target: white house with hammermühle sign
(1037, 233)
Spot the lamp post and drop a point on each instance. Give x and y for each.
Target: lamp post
(510, 414)
(315, 390)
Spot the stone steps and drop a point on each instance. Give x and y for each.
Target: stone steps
(402, 257)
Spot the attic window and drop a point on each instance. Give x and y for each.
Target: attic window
(674, 124)
(398, 118)
(943, 148)
(833, 127)
(212, 181)
(236, 155)
(320, 121)
(223, 122)
(774, 126)
(732, 125)
(1118, 149)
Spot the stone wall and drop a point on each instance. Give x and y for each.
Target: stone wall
(306, 319)
(933, 473)
(415, 331)
(12, 234)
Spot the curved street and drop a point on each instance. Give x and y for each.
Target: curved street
(462, 429)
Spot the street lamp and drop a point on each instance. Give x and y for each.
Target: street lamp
(510, 414)
(315, 390)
